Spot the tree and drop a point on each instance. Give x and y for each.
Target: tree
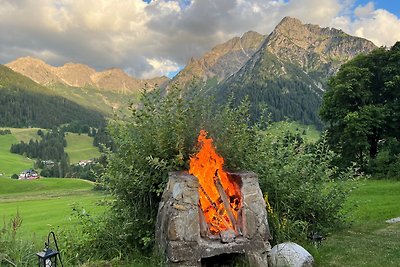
(363, 103)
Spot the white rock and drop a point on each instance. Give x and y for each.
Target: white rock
(394, 220)
(289, 254)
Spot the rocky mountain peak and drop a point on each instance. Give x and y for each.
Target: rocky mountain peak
(222, 61)
(35, 69)
(312, 46)
(288, 24)
(80, 75)
(290, 70)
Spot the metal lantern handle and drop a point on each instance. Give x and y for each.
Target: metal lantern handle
(55, 242)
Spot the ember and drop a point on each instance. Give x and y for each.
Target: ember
(219, 196)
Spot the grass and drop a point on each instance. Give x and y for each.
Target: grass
(11, 163)
(16, 190)
(102, 100)
(369, 241)
(80, 147)
(45, 204)
(25, 134)
(308, 132)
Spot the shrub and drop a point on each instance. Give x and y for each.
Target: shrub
(386, 165)
(14, 176)
(305, 192)
(13, 250)
(160, 136)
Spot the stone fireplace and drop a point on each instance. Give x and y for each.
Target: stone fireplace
(185, 237)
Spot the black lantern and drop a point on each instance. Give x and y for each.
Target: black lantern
(48, 257)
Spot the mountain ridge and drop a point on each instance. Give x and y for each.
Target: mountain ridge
(24, 103)
(80, 75)
(221, 61)
(289, 72)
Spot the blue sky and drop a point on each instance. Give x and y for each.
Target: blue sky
(158, 37)
(391, 5)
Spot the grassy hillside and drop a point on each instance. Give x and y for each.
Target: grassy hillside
(25, 134)
(308, 132)
(103, 100)
(25, 103)
(45, 204)
(80, 147)
(369, 241)
(41, 188)
(11, 163)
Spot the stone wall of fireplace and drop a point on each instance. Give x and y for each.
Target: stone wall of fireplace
(178, 227)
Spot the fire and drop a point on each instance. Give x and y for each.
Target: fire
(220, 198)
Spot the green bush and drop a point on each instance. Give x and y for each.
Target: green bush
(160, 136)
(386, 165)
(304, 191)
(15, 251)
(14, 176)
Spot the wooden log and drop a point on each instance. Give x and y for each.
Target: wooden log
(225, 201)
(215, 208)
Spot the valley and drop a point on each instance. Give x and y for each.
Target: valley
(312, 110)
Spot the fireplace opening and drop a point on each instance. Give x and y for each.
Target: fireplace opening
(225, 260)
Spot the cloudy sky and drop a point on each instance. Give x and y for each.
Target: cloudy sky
(157, 37)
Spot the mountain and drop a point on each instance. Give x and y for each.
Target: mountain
(106, 91)
(79, 75)
(221, 62)
(24, 103)
(289, 72)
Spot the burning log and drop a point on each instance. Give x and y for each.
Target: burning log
(225, 201)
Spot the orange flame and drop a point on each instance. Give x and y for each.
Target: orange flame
(216, 187)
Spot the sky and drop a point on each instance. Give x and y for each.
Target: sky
(158, 37)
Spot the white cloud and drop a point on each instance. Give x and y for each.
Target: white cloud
(379, 26)
(364, 11)
(160, 67)
(157, 38)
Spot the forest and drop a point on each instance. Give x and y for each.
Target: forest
(24, 103)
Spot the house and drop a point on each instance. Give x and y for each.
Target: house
(28, 175)
(83, 163)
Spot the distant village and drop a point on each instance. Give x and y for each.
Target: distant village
(32, 174)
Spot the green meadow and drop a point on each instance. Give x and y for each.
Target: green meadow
(308, 132)
(80, 147)
(45, 204)
(369, 240)
(11, 163)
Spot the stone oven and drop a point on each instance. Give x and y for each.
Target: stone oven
(181, 231)
(208, 213)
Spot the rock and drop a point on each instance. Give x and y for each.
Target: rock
(289, 255)
(228, 236)
(393, 220)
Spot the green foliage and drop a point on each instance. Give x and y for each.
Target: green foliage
(5, 131)
(158, 138)
(15, 251)
(362, 106)
(386, 165)
(303, 190)
(161, 135)
(14, 176)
